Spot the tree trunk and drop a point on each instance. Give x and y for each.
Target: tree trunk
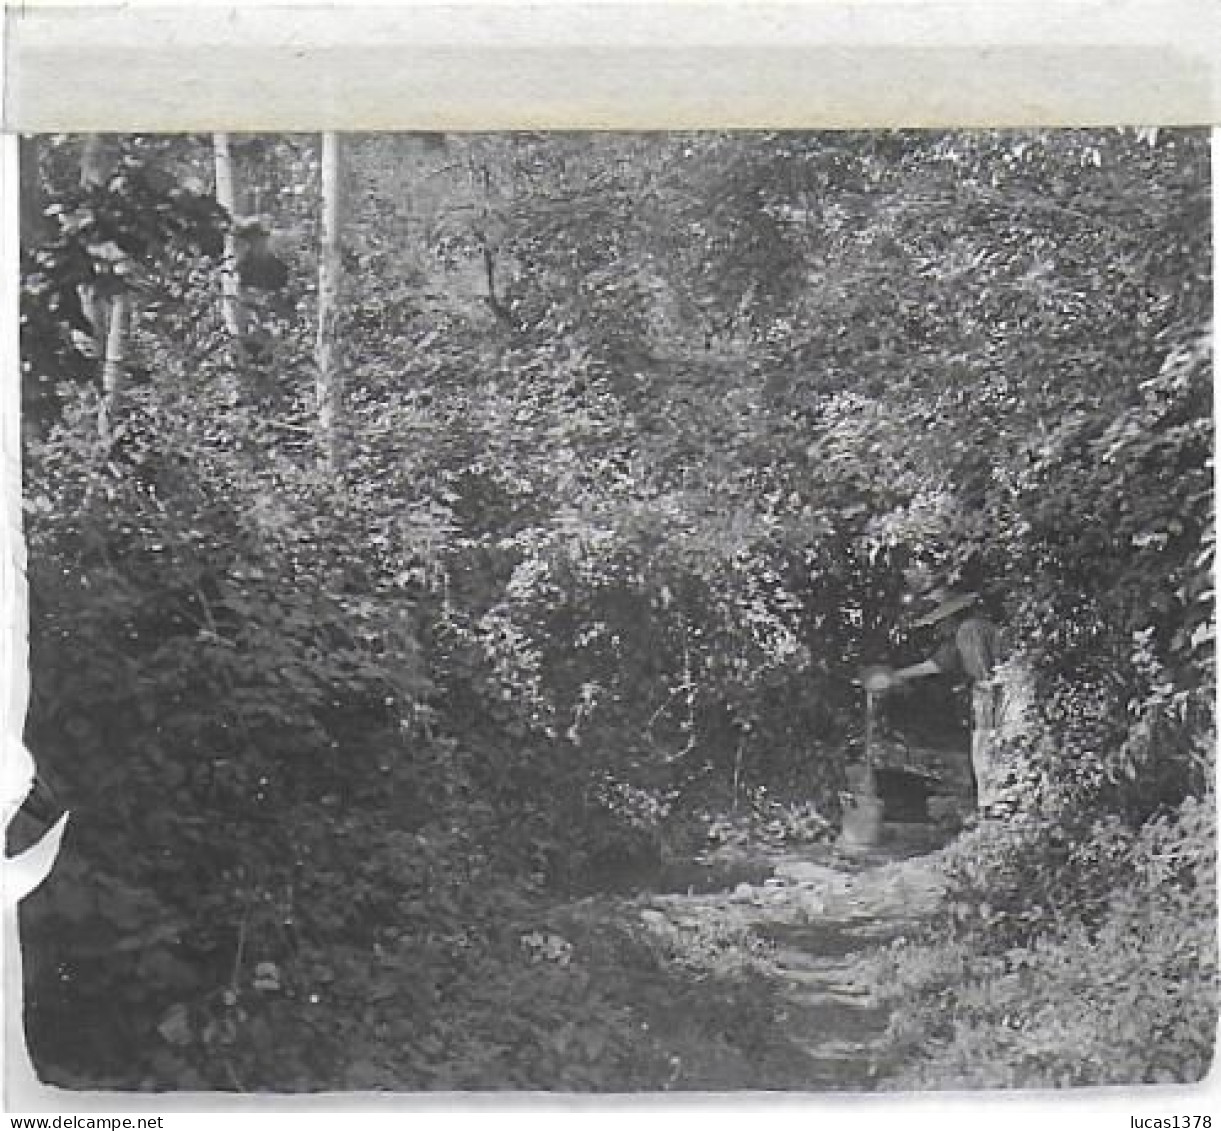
(110, 317)
(327, 353)
(112, 366)
(231, 306)
(34, 224)
(95, 161)
(94, 165)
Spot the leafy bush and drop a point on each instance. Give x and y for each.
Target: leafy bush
(1125, 992)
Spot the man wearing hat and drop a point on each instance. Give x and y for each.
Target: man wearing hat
(970, 648)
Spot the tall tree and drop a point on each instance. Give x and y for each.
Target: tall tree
(109, 315)
(114, 354)
(94, 160)
(93, 173)
(226, 196)
(33, 220)
(327, 354)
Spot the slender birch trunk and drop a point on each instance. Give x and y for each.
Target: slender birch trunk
(33, 222)
(327, 352)
(94, 161)
(93, 174)
(115, 355)
(110, 317)
(231, 306)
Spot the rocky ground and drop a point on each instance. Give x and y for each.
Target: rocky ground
(755, 966)
(816, 922)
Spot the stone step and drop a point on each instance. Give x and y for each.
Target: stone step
(835, 1049)
(854, 997)
(818, 976)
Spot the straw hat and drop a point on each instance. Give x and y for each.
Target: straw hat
(946, 603)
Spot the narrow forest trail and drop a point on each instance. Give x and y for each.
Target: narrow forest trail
(822, 915)
(779, 976)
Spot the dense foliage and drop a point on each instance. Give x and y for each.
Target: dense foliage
(646, 439)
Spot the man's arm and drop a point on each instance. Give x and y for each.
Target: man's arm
(881, 679)
(916, 671)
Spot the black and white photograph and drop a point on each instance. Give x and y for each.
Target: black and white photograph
(526, 607)
(619, 612)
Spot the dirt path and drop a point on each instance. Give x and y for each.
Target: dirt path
(810, 930)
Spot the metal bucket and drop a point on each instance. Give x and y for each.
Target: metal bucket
(862, 821)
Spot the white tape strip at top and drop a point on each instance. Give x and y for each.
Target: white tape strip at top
(498, 64)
